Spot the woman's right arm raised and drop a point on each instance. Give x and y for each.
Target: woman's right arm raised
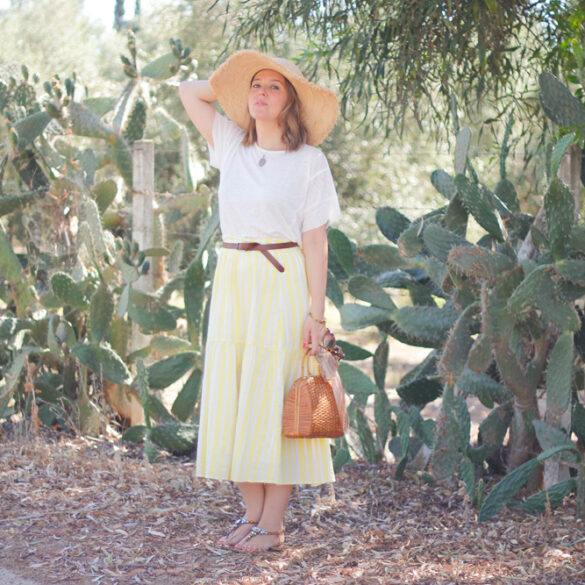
(197, 97)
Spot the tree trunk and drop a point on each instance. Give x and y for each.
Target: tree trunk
(523, 444)
(570, 173)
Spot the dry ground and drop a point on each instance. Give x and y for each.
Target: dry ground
(78, 511)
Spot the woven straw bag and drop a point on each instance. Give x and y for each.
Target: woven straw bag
(310, 410)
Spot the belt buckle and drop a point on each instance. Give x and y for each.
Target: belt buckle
(238, 245)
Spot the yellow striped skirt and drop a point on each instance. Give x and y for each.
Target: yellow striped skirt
(252, 356)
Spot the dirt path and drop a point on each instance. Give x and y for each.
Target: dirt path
(79, 512)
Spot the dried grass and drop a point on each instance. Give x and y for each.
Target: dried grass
(81, 511)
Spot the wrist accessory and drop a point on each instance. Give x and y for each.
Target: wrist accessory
(322, 321)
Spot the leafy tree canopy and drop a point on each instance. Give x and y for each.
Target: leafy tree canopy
(394, 58)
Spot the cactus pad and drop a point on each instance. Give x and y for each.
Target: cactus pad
(168, 370)
(559, 207)
(152, 321)
(354, 316)
(478, 263)
(179, 439)
(356, 382)
(483, 386)
(549, 498)
(394, 279)
(439, 241)
(558, 103)
(456, 348)
(68, 291)
(443, 182)
(105, 193)
(493, 429)
(426, 322)
(366, 289)
(457, 217)
(101, 312)
(382, 256)
(30, 128)
(577, 238)
(391, 222)
(187, 398)
(559, 375)
(104, 362)
(477, 204)
(85, 123)
(342, 249)
(410, 242)
(573, 270)
(420, 391)
(161, 68)
(136, 123)
(506, 191)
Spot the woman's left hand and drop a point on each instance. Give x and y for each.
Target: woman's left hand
(313, 333)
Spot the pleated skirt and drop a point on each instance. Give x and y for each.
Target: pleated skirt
(253, 354)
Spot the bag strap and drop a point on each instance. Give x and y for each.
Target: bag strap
(305, 365)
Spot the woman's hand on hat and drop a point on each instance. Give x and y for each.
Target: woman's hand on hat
(313, 332)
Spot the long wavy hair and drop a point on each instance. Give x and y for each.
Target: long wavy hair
(294, 132)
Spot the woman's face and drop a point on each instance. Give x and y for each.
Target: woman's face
(268, 95)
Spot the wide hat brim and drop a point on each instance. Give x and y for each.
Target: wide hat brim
(231, 83)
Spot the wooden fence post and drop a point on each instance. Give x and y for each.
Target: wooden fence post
(143, 234)
(143, 203)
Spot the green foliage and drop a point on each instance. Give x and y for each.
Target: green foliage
(559, 207)
(101, 313)
(393, 57)
(509, 486)
(103, 362)
(499, 325)
(177, 438)
(559, 375)
(66, 157)
(549, 498)
(169, 434)
(168, 370)
(559, 104)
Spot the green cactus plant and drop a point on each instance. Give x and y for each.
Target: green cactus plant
(492, 316)
(559, 104)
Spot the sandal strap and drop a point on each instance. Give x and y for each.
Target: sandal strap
(257, 531)
(242, 522)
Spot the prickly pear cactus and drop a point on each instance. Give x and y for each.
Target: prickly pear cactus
(491, 318)
(559, 104)
(179, 439)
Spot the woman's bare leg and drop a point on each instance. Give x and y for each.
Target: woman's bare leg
(253, 495)
(272, 519)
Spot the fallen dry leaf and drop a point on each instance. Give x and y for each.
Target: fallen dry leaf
(79, 511)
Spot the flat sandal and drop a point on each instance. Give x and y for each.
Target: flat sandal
(257, 531)
(239, 522)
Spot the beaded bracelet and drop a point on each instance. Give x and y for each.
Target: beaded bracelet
(322, 321)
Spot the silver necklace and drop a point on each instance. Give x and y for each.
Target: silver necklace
(262, 159)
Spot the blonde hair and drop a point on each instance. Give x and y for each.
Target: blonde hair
(294, 132)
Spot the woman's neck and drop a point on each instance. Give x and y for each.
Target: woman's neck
(269, 136)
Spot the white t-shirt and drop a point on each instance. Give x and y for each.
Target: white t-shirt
(291, 193)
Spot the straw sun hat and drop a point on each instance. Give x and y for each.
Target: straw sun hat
(232, 81)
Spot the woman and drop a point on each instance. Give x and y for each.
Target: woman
(276, 199)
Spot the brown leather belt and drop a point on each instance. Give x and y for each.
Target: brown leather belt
(264, 248)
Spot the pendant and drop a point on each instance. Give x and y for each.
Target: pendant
(262, 161)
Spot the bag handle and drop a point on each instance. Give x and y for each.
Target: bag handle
(305, 365)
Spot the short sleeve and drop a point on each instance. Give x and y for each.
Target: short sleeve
(226, 138)
(322, 205)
